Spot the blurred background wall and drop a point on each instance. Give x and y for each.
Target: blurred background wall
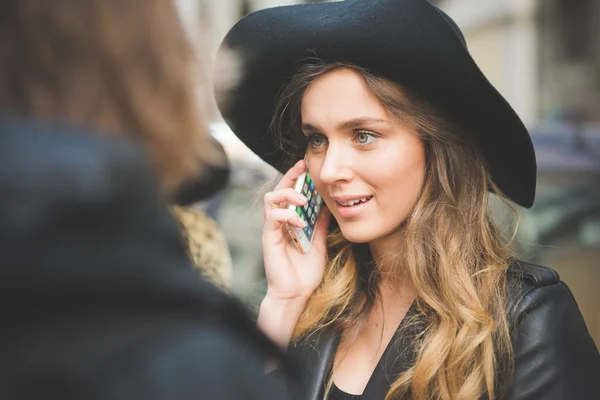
(544, 57)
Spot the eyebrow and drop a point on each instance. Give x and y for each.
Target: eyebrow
(347, 125)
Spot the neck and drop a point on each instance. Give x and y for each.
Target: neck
(395, 281)
(388, 255)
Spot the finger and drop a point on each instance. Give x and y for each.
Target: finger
(280, 216)
(290, 177)
(278, 197)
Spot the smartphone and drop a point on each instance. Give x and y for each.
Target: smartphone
(309, 213)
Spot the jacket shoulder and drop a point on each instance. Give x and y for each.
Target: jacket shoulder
(532, 275)
(524, 278)
(555, 356)
(529, 284)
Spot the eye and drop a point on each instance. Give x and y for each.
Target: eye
(364, 137)
(316, 140)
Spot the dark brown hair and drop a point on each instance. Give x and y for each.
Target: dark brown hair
(122, 67)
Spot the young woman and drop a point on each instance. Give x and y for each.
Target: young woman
(409, 290)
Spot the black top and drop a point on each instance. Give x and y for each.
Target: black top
(338, 394)
(98, 298)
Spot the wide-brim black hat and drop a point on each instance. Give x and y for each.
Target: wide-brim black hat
(410, 42)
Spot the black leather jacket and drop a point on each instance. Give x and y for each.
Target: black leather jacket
(555, 356)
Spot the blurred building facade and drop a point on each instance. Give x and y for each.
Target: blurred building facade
(544, 57)
(216, 17)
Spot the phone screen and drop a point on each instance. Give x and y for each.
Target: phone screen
(310, 211)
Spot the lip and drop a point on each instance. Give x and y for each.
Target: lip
(352, 211)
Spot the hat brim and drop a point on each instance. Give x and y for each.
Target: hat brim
(410, 42)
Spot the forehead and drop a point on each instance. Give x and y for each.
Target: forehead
(339, 95)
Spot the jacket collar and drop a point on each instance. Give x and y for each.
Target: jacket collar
(315, 355)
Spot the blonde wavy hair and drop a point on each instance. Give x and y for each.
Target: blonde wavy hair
(453, 253)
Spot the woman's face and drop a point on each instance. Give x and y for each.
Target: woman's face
(368, 166)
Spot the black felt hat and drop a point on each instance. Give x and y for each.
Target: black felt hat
(410, 42)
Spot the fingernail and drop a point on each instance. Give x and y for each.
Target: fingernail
(302, 198)
(302, 222)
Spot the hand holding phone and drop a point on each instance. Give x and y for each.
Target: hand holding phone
(294, 274)
(308, 212)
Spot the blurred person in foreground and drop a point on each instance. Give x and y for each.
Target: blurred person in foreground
(99, 132)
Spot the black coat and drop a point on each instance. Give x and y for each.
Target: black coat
(97, 297)
(555, 357)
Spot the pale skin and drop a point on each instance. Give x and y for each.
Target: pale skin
(356, 150)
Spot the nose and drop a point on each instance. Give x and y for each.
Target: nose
(336, 166)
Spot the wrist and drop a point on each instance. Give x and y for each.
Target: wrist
(282, 300)
(277, 318)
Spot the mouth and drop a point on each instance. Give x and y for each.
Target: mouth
(354, 202)
(351, 207)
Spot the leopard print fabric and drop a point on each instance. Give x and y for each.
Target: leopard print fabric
(207, 245)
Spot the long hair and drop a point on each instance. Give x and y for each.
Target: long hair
(452, 252)
(120, 67)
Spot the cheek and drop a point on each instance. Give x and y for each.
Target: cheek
(400, 179)
(314, 169)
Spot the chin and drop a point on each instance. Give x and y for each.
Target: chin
(367, 232)
(358, 234)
